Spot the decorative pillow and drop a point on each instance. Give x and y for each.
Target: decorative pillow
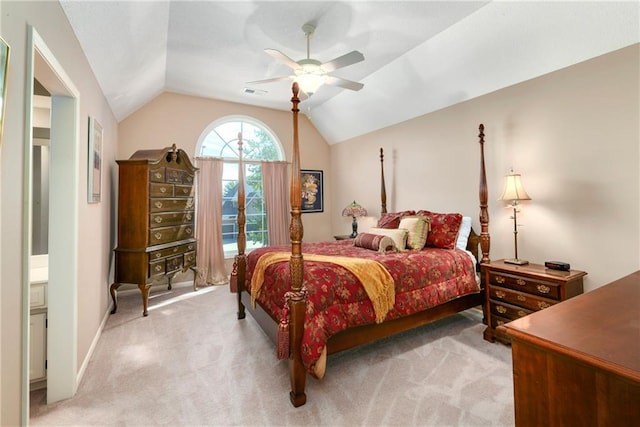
(392, 220)
(376, 242)
(418, 227)
(444, 229)
(399, 235)
(463, 234)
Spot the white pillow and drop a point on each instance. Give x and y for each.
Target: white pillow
(399, 235)
(463, 233)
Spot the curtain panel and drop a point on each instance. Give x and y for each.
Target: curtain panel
(276, 198)
(210, 252)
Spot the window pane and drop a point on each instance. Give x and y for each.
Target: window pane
(258, 145)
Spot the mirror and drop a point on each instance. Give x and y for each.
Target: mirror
(40, 172)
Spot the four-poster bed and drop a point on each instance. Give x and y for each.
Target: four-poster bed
(313, 306)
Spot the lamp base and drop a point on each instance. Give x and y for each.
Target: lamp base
(516, 261)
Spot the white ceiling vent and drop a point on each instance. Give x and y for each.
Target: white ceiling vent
(251, 91)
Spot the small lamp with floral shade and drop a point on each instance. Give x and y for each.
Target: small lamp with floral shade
(354, 210)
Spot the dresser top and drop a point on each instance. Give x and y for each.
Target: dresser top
(540, 271)
(169, 156)
(601, 327)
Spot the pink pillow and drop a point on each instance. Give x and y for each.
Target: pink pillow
(375, 242)
(444, 229)
(392, 219)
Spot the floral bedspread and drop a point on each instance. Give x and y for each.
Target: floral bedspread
(336, 300)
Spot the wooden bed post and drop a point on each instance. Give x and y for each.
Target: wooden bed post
(296, 296)
(383, 190)
(241, 258)
(485, 241)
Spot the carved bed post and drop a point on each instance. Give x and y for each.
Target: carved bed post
(296, 298)
(241, 258)
(485, 241)
(383, 190)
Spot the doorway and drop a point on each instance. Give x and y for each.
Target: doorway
(61, 340)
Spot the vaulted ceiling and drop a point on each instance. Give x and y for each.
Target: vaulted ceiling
(420, 56)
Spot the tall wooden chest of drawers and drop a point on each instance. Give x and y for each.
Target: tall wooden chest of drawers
(514, 291)
(156, 219)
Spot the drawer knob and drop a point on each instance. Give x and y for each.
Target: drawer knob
(190, 247)
(500, 294)
(185, 191)
(158, 254)
(500, 322)
(500, 309)
(158, 236)
(543, 289)
(189, 203)
(543, 305)
(499, 279)
(521, 313)
(163, 189)
(188, 230)
(157, 219)
(189, 216)
(158, 204)
(521, 282)
(521, 298)
(158, 175)
(158, 267)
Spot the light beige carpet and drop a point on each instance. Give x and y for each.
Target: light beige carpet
(192, 363)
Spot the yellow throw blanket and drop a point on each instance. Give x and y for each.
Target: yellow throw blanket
(376, 280)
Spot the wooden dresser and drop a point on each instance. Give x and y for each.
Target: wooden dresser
(156, 219)
(578, 363)
(514, 291)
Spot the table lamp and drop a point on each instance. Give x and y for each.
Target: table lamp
(354, 210)
(513, 192)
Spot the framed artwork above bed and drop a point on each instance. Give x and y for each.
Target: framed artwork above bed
(312, 191)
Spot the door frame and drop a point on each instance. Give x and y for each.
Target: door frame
(62, 289)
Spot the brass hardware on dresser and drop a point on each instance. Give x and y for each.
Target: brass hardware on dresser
(155, 220)
(514, 291)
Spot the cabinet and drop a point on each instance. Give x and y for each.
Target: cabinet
(156, 220)
(38, 283)
(578, 363)
(514, 291)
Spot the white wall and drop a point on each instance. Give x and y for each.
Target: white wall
(95, 240)
(572, 134)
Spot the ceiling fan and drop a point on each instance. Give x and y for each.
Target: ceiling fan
(311, 73)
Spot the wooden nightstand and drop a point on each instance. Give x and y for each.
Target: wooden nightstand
(513, 291)
(343, 237)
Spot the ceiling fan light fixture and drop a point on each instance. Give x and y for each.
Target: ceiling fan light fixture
(309, 82)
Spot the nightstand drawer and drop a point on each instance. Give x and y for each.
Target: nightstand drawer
(509, 311)
(498, 321)
(525, 284)
(531, 302)
(513, 291)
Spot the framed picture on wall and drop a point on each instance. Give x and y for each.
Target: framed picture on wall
(312, 191)
(94, 163)
(4, 70)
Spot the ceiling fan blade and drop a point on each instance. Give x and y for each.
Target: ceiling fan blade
(275, 79)
(347, 84)
(342, 61)
(283, 58)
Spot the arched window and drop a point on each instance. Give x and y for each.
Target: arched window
(220, 139)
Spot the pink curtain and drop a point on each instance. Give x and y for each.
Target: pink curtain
(210, 253)
(275, 187)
